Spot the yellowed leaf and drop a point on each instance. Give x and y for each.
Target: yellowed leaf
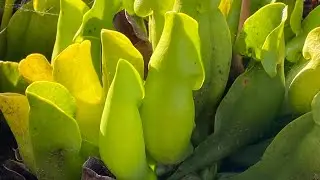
(74, 69)
(225, 6)
(35, 67)
(15, 108)
(116, 45)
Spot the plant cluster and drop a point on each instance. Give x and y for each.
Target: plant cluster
(73, 87)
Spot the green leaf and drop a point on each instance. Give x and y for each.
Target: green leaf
(145, 7)
(233, 18)
(311, 21)
(15, 108)
(210, 172)
(294, 10)
(115, 45)
(262, 36)
(296, 16)
(304, 87)
(142, 8)
(273, 50)
(185, 64)
(168, 107)
(70, 19)
(27, 27)
(249, 155)
(43, 6)
(122, 145)
(10, 78)
(290, 75)
(294, 70)
(89, 3)
(315, 107)
(99, 17)
(54, 133)
(3, 43)
(293, 150)
(35, 67)
(6, 13)
(257, 28)
(128, 5)
(156, 9)
(294, 47)
(247, 123)
(311, 48)
(73, 68)
(256, 5)
(216, 54)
